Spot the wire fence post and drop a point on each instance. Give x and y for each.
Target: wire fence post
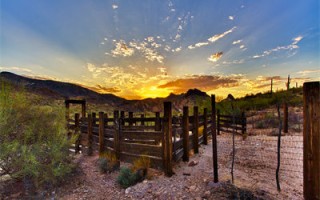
(311, 140)
(214, 139)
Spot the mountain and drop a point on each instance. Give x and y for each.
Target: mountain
(61, 90)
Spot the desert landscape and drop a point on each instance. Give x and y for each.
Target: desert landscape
(171, 99)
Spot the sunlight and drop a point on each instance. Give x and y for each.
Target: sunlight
(153, 92)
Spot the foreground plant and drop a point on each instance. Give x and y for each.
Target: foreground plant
(33, 142)
(108, 162)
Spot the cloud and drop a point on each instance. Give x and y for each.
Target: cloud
(297, 40)
(147, 49)
(231, 18)
(205, 83)
(233, 62)
(212, 39)
(16, 69)
(177, 49)
(236, 41)
(122, 49)
(103, 90)
(305, 72)
(114, 6)
(290, 47)
(264, 82)
(242, 46)
(219, 36)
(91, 67)
(200, 44)
(215, 57)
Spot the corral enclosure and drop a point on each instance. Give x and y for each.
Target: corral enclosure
(161, 138)
(164, 139)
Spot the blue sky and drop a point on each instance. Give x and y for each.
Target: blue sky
(148, 48)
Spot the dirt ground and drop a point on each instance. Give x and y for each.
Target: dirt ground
(254, 175)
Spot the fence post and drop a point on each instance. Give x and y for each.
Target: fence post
(77, 132)
(94, 117)
(101, 132)
(67, 110)
(83, 109)
(106, 119)
(243, 123)
(90, 134)
(218, 121)
(130, 119)
(214, 138)
(157, 122)
(311, 140)
(122, 116)
(195, 130)
(167, 139)
(142, 119)
(185, 134)
(285, 117)
(116, 136)
(205, 124)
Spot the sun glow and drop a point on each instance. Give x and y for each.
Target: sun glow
(153, 92)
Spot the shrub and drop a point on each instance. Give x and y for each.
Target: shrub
(126, 177)
(143, 162)
(137, 173)
(260, 125)
(33, 142)
(108, 162)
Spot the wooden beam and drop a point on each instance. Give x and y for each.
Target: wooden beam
(90, 134)
(167, 139)
(77, 132)
(205, 126)
(185, 134)
(101, 132)
(196, 130)
(311, 140)
(214, 139)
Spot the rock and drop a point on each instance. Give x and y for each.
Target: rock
(211, 184)
(192, 188)
(192, 163)
(128, 190)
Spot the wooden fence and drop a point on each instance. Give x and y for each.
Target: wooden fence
(228, 123)
(163, 139)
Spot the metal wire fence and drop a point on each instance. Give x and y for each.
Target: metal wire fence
(256, 162)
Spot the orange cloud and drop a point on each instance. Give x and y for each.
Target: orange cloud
(204, 83)
(215, 57)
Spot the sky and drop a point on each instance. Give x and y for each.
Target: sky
(150, 48)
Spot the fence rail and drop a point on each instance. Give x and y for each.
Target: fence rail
(229, 123)
(130, 136)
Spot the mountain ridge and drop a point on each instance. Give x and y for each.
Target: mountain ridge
(63, 90)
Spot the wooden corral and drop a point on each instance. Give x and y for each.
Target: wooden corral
(163, 139)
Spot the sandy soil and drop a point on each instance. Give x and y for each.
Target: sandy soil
(254, 175)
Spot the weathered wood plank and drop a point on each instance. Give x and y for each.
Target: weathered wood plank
(311, 140)
(156, 162)
(141, 135)
(136, 148)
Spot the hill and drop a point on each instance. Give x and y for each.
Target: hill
(61, 90)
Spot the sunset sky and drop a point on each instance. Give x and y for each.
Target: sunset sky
(150, 48)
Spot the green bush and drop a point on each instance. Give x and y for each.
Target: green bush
(126, 177)
(108, 162)
(129, 177)
(33, 142)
